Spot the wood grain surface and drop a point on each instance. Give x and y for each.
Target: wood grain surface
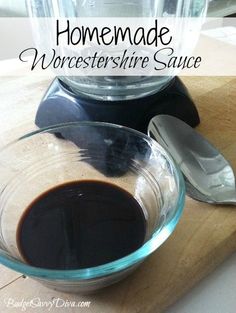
(205, 236)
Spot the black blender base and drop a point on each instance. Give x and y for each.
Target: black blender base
(60, 105)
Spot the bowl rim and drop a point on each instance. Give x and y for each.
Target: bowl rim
(118, 265)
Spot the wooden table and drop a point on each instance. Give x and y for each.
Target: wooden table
(205, 236)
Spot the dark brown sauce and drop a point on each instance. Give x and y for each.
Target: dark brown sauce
(80, 224)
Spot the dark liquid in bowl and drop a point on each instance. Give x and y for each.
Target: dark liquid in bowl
(80, 224)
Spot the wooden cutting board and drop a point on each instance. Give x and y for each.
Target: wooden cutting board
(205, 236)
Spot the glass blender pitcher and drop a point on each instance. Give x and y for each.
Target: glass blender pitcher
(127, 100)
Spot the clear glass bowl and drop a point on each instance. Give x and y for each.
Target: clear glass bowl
(43, 159)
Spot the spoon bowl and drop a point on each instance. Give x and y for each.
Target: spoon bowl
(208, 175)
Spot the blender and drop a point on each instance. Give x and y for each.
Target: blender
(125, 100)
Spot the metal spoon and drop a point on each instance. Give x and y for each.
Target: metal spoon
(208, 176)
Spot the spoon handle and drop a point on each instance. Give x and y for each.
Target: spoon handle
(230, 198)
(228, 202)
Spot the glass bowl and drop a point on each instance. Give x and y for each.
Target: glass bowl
(53, 156)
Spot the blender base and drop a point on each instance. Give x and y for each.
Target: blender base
(61, 105)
